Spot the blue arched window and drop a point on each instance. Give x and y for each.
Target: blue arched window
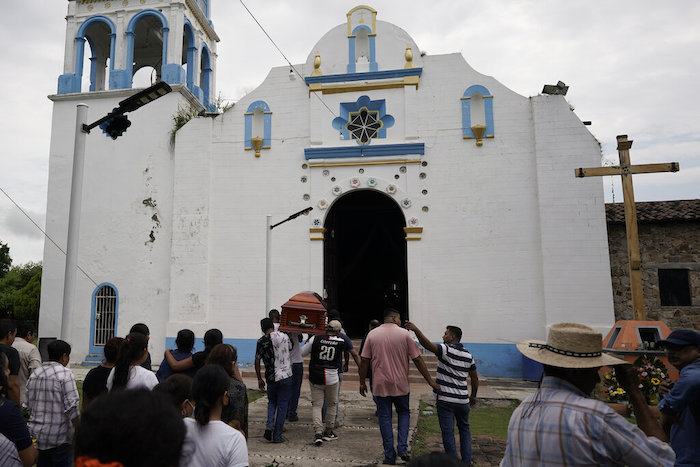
(361, 46)
(146, 58)
(190, 53)
(100, 32)
(205, 78)
(105, 307)
(258, 123)
(477, 109)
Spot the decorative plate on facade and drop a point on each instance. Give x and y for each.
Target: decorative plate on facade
(337, 189)
(371, 182)
(391, 189)
(354, 182)
(322, 204)
(413, 222)
(317, 222)
(406, 203)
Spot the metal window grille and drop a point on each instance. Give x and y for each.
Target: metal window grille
(105, 314)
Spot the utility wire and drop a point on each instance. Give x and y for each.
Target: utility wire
(45, 234)
(284, 56)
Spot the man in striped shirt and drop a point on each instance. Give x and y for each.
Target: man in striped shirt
(455, 363)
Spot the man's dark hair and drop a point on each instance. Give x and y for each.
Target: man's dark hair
(455, 331)
(135, 427)
(390, 312)
(374, 324)
(57, 349)
(141, 329)
(265, 324)
(176, 387)
(6, 327)
(184, 340)
(213, 337)
(274, 315)
(24, 328)
(111, 349)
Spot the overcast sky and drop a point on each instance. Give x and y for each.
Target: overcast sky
(633, 67)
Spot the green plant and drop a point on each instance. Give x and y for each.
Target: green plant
(183, 115)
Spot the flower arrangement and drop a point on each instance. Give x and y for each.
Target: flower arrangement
(650, 372)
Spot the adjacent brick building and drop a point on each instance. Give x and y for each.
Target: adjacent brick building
(669, 242)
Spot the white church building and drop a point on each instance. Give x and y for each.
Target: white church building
(435, 190)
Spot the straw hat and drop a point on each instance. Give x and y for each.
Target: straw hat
(569, 345)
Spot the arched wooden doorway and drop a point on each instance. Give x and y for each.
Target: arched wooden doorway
(365, 259)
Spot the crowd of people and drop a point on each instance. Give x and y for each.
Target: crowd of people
(194, 410)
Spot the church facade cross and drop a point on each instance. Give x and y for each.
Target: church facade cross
(626, 170)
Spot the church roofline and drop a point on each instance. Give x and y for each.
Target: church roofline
(202, 20)
(683, 210)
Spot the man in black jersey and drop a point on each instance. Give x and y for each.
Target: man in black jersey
(326, 357)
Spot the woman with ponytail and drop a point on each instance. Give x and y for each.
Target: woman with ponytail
(127, 372)
(209, 441)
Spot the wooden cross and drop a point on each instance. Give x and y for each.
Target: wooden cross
(625, 170)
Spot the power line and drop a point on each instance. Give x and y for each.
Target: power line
(284, 56)
(45, 234)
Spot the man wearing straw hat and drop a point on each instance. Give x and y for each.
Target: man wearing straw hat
(560, 425)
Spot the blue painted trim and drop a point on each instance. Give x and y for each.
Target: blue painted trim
(403, 72)
(94, 349)
(466, 111)
(95, 19)
(173, 73)
(267, 124)
(351, 55)
(497, 360)
(245, 347)
(69, 83)
(93, 65)
(130, 34)
(373, 65)
(120, 79)
(364, 151)
(206, 76)
(188, 31)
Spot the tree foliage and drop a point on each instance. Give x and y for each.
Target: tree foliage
(20, 291)
(5, 260)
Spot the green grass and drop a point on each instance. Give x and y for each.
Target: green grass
(254, 394)
(488, 420)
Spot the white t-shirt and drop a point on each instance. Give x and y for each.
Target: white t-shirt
(213, 445)
(139, 377)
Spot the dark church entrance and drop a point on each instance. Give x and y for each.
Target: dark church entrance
(365, 259)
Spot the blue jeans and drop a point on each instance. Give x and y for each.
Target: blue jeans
(297, 378)
(60, 456)
(278, 394)
(447, 413)
(384, 414)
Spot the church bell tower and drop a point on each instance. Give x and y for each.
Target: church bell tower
(108, 42)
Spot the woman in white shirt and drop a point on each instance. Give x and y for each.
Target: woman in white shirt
(209, 441)
(127, 372)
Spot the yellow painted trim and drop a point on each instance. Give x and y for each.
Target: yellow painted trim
(315, 238)
(248, 149)
(413, 229)
(355, 164)
(342, 88)
(317, 229)
(253, 113)
(266, 147)
(467, 98)
(471, 137)
(408, 239)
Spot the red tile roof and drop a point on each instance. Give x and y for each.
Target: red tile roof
(657, 211)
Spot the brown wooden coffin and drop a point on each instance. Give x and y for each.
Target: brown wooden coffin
(304, 312)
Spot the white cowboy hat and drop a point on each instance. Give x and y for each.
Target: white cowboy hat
(569, 345)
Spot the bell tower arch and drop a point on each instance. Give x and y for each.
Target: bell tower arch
(108, 42)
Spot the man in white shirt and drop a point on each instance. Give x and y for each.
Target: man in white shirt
(29, 357)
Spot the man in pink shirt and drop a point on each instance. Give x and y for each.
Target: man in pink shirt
(387, 349)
